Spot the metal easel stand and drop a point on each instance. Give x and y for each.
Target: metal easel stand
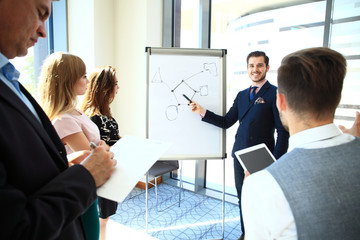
(223, 204)
(223, 201)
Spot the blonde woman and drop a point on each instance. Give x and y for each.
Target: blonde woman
(62, 79)
(101, 92)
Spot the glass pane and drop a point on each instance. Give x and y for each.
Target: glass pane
(30, 65)
(345, 38)
(25, 65)
(188, 171)
(346, 9)
(276, 32)
(189, 35)
(189, 38)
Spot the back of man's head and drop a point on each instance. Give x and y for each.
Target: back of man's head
(312, 80)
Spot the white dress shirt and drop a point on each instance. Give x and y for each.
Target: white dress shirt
(266, 212)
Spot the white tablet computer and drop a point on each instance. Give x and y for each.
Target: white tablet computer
(255, 158)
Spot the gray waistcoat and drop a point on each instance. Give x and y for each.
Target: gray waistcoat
(322, 187)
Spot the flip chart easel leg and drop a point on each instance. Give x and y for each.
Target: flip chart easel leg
(181, 182)
(146, 201)
(223, 201)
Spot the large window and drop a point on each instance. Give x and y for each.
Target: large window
(278, 28)
(276, 32)
(345, 38)
(189, 36)
(56, 40)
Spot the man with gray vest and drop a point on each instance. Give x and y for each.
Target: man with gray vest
(313, 191)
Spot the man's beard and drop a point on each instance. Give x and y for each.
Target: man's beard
(260, 80)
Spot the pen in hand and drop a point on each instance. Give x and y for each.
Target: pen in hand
(187, 98)
(92, 145)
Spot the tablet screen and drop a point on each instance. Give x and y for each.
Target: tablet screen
(255, 158)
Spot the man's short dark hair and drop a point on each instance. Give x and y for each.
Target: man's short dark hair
(312, 80)
(258, 54)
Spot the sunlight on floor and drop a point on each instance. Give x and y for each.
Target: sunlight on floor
(117, 231)
(185, 226)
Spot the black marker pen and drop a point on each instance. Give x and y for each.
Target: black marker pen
(187, 98)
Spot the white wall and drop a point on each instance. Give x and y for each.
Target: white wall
(81, 29)
(116, 32)
(104, 33)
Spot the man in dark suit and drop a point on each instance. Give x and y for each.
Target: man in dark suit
(40, 196)
(255, 109)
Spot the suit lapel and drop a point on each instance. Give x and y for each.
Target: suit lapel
(46, 130)
(251, 103)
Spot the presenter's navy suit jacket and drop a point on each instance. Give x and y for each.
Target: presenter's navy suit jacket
(40, 196)
(258, 120)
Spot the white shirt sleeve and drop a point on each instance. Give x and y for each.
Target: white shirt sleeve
(266, 212)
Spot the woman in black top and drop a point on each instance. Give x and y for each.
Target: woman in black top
(101, 92)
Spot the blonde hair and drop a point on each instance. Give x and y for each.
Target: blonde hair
(59, 74)
(100, 92)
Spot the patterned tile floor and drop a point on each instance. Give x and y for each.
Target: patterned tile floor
(198, 217)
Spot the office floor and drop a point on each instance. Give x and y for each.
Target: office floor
(198, 217)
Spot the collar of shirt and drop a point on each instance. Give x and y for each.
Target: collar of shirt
(259, 86)
(319, 137)
(3, 62)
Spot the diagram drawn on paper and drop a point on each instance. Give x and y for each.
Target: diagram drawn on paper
(190, 85)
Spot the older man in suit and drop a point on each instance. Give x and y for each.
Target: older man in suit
(255, 109)
(40, 196)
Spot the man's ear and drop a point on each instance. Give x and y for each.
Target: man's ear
(280, 102)
(267, 68)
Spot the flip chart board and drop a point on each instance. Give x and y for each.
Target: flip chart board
(200, 75)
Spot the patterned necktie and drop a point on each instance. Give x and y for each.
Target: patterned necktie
(9, 72)
(252, 95)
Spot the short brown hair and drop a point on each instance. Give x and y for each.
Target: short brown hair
(312, 80)
(258, 54)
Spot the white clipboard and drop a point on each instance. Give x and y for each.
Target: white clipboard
(255, 158)
(134, 156)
